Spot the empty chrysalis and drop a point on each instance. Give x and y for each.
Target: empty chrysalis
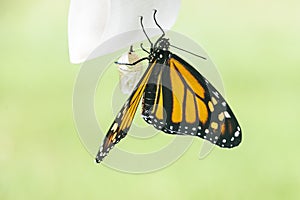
(129, 75)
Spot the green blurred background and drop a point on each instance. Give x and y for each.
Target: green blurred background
(255, 45)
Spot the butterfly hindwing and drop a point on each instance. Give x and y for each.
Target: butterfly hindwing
(179, 100)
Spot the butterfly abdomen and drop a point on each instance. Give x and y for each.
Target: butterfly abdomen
(148, 99)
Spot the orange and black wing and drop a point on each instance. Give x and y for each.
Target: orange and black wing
(122, 123)
(179, 100)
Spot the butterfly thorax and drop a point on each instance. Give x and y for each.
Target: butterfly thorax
(160, 53)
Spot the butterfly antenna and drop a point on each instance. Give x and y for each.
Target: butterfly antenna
(188, 52)
(142, 25)
(162, 30)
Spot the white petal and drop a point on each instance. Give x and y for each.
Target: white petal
(92, 22)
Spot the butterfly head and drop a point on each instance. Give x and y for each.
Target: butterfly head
(163, 44)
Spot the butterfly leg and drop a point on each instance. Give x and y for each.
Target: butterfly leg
(144, 48)
(131, 64)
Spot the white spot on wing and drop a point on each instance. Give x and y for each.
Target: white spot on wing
(236, 134)
(119, 115)
(216, 94)
(114, 127)
(227, 114)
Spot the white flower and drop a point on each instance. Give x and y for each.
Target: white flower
(92, 22)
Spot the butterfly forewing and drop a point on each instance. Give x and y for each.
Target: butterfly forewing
(123, 121)
(179, 100)
(223, 122)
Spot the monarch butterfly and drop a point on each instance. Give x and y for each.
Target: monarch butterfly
(176, 99)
